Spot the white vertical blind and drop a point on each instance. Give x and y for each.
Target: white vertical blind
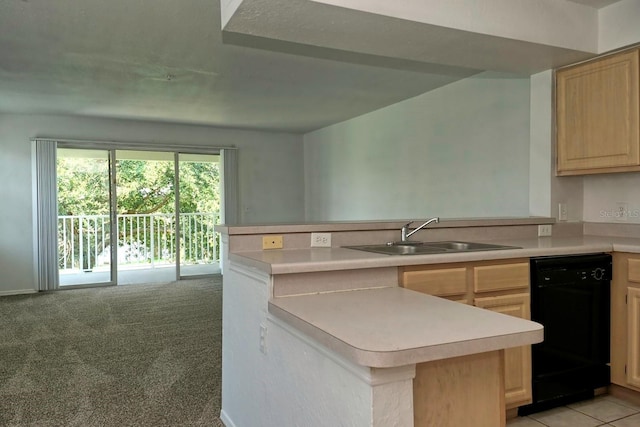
(176, 209)
(46, 212)
(229, 186)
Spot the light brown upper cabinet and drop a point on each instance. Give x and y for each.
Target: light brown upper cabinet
(598, 115)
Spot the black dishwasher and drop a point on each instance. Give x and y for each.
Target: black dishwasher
(570, 297)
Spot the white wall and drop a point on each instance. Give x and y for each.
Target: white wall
(602, 195)
(458, 151)
(270, 175)
(618, 25)
(546, 190)
(541, 155)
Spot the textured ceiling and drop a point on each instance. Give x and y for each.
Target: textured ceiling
(165, 60)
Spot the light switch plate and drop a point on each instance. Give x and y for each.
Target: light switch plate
(562, 212)
(263, 338)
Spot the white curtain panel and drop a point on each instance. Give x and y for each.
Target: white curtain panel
(229, 197)
(46, 214)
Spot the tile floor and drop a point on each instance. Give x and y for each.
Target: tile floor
(600, 411)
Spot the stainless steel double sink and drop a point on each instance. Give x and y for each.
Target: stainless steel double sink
(423, 248)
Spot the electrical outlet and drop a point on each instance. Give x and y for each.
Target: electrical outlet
(544, 230)
(320, 240)
(562, 212)
(271, 242)
(622, 211)
(263, 339)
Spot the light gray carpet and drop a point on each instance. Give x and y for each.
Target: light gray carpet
(139, 355)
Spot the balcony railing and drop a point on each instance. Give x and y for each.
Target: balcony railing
(84, 240)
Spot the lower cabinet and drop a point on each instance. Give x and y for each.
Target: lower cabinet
(633, 337)
(625, 321)
(473, 382)
(517, 360)
(501, 286)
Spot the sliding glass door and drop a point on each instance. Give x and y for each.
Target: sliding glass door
(146, 216)
(199, 207)
(84, 217)
(136, 216)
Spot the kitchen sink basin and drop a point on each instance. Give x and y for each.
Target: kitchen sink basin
(400, 249)
(423, 248)
(468, 246)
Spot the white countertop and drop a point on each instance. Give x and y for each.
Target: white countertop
(328, 259)
(387, 327)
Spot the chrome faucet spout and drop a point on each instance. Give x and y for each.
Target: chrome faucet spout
(405, 233)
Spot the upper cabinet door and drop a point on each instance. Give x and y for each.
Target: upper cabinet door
(597, 116)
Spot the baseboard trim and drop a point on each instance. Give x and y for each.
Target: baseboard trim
(226, 420)
(22, 292)
(511, 413)
(624, 393)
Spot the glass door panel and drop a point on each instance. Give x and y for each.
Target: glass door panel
(84, 225)
(146, 216)
(199, 207)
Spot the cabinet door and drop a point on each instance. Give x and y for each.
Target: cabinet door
(597, 115)
(625, 321)
(517, 360)
(624, 269)
(467, 390)
(633, 336)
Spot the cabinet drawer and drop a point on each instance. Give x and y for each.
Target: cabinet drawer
(514, 305)
(634, 270)
(442, 282)
(501, 277)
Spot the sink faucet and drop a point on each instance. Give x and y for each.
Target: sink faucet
(405, 234)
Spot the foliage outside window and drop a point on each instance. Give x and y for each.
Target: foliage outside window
(145, 210)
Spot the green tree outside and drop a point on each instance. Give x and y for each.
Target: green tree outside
(144, 187)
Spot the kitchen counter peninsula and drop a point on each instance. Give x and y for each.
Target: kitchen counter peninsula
(391, 327)
(373, 355)
(326, 336)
